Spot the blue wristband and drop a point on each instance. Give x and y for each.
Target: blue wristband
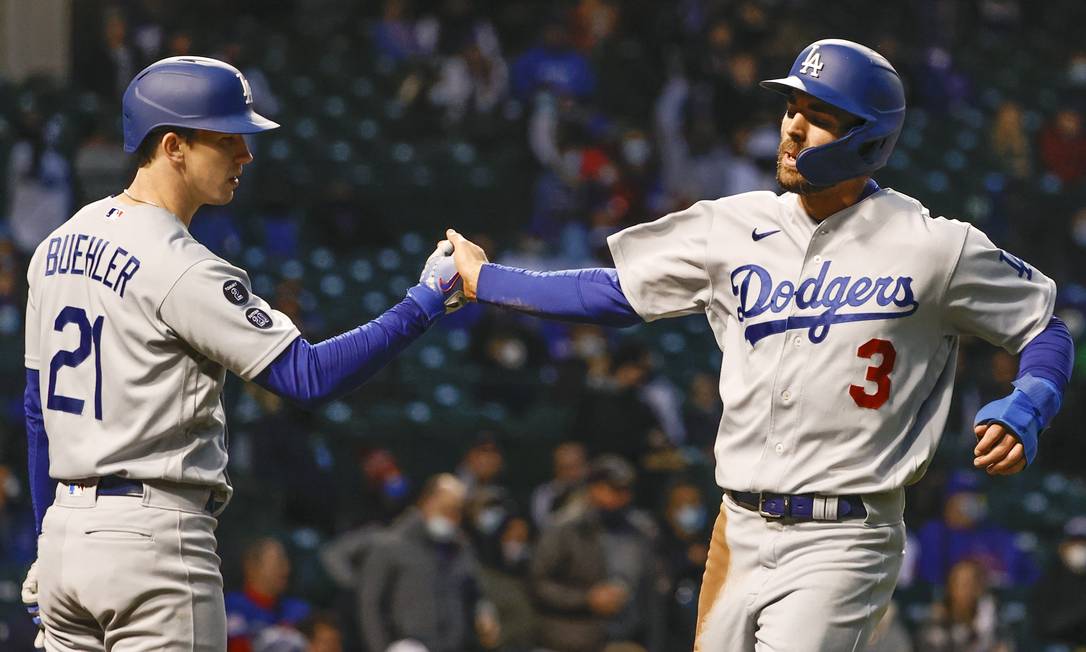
(1026, 412)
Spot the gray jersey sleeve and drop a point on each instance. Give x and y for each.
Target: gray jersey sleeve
(662, 265)
(996, 296)
(212, 309)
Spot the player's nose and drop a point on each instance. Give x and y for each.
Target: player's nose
(796, 126)
(243, 154)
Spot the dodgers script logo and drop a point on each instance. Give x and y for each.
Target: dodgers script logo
(757, 294)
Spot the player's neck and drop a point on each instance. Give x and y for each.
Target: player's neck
(162, 187)
(821, 204)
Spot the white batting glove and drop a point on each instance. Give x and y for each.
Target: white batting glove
(439, 273)
(30, 599)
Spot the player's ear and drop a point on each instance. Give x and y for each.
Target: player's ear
(170, 147)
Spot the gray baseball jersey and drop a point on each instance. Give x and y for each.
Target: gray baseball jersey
(839, 338)
(132, 324)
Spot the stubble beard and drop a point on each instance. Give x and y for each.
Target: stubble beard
(790, 179)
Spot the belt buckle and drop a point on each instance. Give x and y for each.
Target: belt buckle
(764, 514)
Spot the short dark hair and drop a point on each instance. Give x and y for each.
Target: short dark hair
(146, 151)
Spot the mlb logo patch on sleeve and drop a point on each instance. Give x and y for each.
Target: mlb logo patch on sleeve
(258, 318)
(235, 292)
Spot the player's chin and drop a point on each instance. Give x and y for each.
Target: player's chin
(792, 181)
(224, 196)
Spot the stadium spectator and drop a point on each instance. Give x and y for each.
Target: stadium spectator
(502, 540)
(1063, 146)
(569, 463)
(18, 541)
(967, 619)
(471, 82)
(482, 464)
(684, 547)
(594, 573)
(553, 66)
(614, 416)
(261, 603)
(694, 159)
(39, 183)
(964, 532)
(420, 579)
(322, 633)
(1058, 608)
(702, 412)
(395, 35)
(111, 62)
(1009, 144)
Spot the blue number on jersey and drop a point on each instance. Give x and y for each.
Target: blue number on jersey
(1017, 264)
(89, 337)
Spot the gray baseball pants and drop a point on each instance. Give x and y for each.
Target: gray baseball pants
(127, 573)
(810, 586)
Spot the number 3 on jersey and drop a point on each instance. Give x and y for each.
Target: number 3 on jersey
(90, 337)
(880, 374)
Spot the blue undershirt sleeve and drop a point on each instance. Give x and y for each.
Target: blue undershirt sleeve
(591, 296)
(42, 487)
(1043, 373)
(309, 374)
(1050, 355)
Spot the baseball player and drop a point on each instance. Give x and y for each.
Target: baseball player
(131, 326)
(838, 305)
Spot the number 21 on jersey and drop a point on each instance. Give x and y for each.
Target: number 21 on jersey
(90, 341)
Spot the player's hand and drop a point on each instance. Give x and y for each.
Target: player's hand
(439, 273)
(30, 599)
(469, 259)
(998, 450)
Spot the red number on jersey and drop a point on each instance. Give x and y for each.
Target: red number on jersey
(878, 374)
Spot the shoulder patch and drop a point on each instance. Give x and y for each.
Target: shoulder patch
(258, 318)
(235, 292)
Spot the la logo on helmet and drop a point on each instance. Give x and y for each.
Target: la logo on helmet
(813, 62)
(248, 92)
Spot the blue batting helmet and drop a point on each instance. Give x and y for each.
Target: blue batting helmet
(856, 79)
(193, 92)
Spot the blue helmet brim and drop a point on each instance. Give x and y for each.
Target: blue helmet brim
(786, 85)
(251, 123)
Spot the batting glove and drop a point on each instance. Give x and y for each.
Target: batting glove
(439, 273)
(30, 599)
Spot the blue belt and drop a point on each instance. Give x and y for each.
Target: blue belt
(801, 507)
(115, 485)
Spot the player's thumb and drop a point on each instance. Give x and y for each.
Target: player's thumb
(453, 236)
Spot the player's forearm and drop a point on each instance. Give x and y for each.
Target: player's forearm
(311, 373)
(1050, 355)
(591, 296)
(42, 487)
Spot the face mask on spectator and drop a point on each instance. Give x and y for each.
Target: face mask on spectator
(690, 518)
(440, 529)
(975, 508)
(589, 346)
(514, 552)
(1074, 556)
(489, 519)
(636, 151)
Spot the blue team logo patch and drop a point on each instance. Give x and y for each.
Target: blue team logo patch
(259, 318)
(235, 292)
(844, 299)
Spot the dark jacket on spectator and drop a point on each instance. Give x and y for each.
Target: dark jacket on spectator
(413, 587)
(570, 558)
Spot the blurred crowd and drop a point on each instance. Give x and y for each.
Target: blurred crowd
(577, 517)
